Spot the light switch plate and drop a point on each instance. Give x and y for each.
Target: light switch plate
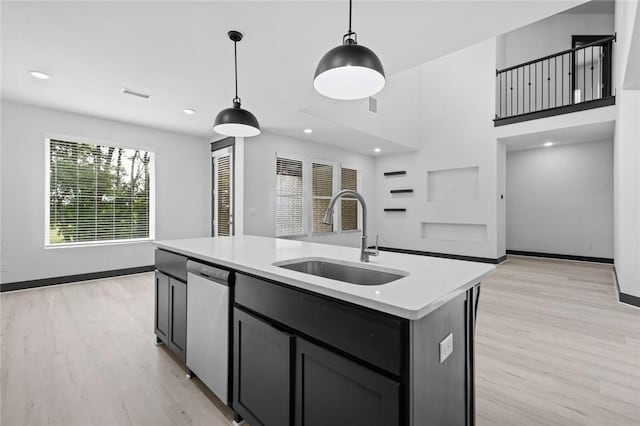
(446, 347)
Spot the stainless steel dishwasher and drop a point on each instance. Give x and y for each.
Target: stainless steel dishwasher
(208, 326)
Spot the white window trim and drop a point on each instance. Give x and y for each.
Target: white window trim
(307, 196)
(47, 181)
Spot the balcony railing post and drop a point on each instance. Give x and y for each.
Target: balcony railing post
(562, 83)
(555, 81)
(511, 88)
(529, 77)
(535, 87)
(584, 75)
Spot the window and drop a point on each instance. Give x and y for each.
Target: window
(349, 205)
(98, 193)
(222, 162)
(303, 190)
(322, 184)
(289, 197)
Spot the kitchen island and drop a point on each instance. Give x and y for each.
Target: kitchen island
(306, 349)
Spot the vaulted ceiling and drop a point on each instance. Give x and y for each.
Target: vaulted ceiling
(180, 54)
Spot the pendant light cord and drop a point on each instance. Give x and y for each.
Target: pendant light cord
(350, 37)
(235, 56)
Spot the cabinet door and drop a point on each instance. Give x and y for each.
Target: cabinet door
(178, 309)
(162, 306)
(262, 372)
(332, 390)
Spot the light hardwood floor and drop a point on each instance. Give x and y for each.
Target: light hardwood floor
(554, 348)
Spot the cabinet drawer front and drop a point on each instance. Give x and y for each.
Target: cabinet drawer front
(371, 336)
(172, 264)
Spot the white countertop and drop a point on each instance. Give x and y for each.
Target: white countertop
(431, 281)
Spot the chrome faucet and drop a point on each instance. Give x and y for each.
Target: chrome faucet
(328, 219)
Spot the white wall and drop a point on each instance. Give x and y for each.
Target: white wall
(397, 118)
(182, 192)
(548, 36)
(626, 157)
(260, 182)
(560, 199)
(501, 200)
(457, 108)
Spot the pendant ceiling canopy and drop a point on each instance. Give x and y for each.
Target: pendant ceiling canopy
(236, 121)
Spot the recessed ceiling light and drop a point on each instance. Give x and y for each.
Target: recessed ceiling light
(189, 111)
(376, 150)
(308, 131)
(548, 143)
(39, 74)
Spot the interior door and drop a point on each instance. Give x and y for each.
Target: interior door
(591, 76)
(222, 194)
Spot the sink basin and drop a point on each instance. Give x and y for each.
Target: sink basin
(349, 273)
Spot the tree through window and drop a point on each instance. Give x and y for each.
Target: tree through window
(98, 193)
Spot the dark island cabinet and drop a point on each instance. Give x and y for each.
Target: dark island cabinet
(332, 390)
(304, 359)
(178, 318)
(171, 313)
(262, 372)
(171, 302)
(162, 306)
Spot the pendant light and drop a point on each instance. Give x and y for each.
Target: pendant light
(350, 71)
(236, 121)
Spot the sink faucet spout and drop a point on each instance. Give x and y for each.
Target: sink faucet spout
(328, 219)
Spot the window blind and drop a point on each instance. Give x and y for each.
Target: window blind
(349, 205)
(289, 197)
(98, 193)
(224, 195)
(322, 183)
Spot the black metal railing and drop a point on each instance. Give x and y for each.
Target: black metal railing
(571, 77)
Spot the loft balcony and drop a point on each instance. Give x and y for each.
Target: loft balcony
(572, 80)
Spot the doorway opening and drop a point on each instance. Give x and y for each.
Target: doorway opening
(222, 187)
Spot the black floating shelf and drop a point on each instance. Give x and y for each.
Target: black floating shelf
(402, 172)
(401, 191)
(395, 210)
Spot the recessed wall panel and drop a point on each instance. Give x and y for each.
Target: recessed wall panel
(460, 232)
(461, 184)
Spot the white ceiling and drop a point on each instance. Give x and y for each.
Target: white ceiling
(594, 7)
(180, 54)
(602, 131)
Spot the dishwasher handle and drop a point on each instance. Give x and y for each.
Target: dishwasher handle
(211, 273)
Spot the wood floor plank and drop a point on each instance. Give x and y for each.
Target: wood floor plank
(553, 348)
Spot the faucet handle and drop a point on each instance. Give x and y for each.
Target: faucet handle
(376, 251)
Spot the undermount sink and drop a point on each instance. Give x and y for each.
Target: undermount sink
(348, 273)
